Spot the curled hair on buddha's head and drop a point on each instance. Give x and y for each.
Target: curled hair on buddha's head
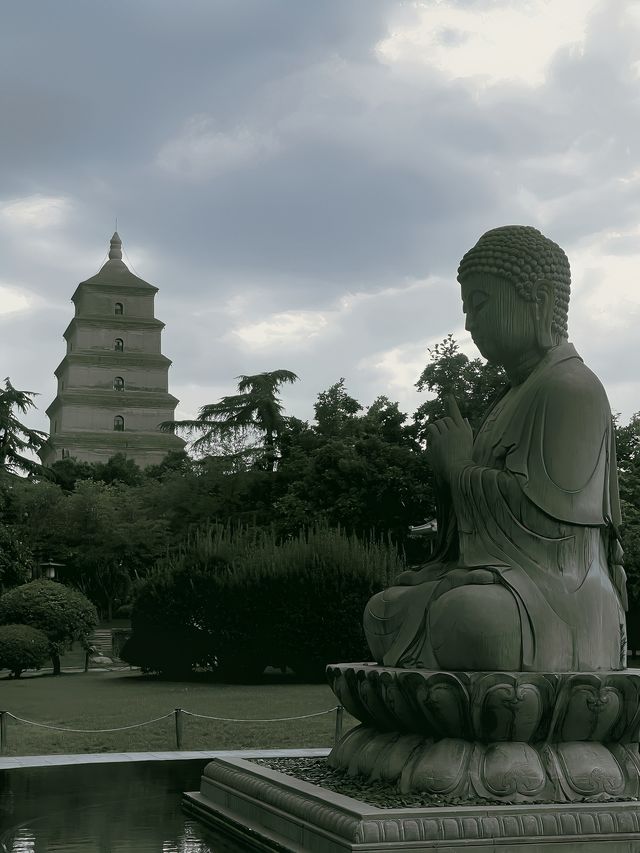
(523, 256)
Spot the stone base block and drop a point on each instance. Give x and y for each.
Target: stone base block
(265, 810)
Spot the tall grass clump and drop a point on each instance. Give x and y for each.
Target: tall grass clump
(238, 599)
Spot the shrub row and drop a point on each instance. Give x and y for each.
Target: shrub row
(236, 601)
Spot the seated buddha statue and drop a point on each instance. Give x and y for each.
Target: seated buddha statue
(526, 574)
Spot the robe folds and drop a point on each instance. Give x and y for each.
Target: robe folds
(538, 506)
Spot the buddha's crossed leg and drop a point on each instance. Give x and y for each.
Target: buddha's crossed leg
(470, 621)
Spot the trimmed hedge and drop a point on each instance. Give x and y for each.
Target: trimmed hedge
(235, 601)
(22, 647)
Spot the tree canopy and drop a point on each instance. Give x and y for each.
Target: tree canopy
(255, 410)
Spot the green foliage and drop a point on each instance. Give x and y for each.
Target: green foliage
(33, 510)
(16, 559)
(312, 591)
(15, 437)
(111, 539)
(255, 409)
(118, 469)
(628, 452)
(22, 647)
(238, 600)
(104, 535)
(335, 409)
(167, 636)
(175, 462)
(62, 613)
(68, 471)
(473, 383)
(365, 472)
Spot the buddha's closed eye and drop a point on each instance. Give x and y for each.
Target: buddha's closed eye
(474, 301)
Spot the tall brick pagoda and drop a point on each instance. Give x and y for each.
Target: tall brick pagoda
(113, 380)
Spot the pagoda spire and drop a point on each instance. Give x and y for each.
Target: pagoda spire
(115, 249)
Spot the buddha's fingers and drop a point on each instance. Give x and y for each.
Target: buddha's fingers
(454, 411)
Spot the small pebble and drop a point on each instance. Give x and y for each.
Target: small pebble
(384, 795)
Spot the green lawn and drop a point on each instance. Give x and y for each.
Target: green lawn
(101, 700)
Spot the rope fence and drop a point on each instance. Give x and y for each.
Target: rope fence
(178, 714)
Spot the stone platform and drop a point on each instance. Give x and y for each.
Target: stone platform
(265, 810)
(531, 761)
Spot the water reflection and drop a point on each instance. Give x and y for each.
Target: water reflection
(135, 825)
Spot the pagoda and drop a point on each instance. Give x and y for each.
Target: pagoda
(113, 381)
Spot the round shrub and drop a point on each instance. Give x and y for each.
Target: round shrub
(167, 623)
(22, 647)
(62, 613)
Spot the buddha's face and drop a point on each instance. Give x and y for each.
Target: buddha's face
(500, 322)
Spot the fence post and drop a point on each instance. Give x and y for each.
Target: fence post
(4, 741)
(178, 716)
(339, 713)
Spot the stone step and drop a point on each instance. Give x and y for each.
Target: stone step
(102, 640)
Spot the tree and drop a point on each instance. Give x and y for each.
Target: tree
(63, 614)
(16, 559)
(111, 538)
(68, 471)
(34, 515)
(255, 409)
(335, 409)
(175, 462)
(628, 452)
(474, 384)
(15, 437)
(118, 469)
(364, 472)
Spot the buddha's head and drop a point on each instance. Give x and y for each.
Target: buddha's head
(515, 293)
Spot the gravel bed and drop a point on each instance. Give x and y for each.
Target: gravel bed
(379, 794)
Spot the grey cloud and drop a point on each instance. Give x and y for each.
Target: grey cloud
(374, 177)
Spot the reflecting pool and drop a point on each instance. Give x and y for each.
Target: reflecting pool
(147, 824)
(104, 807)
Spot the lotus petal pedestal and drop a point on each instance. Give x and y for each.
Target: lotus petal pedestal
(498, 736)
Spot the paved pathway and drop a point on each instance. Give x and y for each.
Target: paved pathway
(8, 762)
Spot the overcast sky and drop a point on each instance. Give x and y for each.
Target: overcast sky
(301, 178)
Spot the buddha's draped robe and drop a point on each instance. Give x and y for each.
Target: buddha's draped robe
(538, 506)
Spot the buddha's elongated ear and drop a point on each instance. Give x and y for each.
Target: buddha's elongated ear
(543, 295)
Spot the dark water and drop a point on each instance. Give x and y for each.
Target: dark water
(139, 824)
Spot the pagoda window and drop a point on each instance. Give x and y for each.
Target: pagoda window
(118, 384)
(118, 345)
(118, 423)
(118, 308)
